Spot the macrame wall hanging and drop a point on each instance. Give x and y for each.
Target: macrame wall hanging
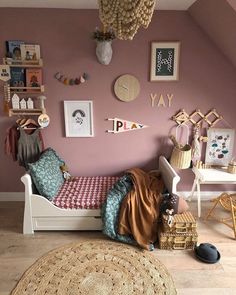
(125, 17)
(71, 81)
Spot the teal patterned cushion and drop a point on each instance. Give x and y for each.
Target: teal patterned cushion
(46, 173)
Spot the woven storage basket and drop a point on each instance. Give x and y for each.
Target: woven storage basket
(168, 240)
(181, 155)
(182, 223)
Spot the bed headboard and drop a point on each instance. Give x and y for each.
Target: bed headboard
(170, 177)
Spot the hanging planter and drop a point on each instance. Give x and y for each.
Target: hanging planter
(104, 48)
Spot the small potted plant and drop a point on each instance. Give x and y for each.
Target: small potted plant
(104, 40)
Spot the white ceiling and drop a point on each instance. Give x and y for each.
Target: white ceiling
(89, 4)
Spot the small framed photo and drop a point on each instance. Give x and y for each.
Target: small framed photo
(165, 61)
(220, 144)
(78, 118)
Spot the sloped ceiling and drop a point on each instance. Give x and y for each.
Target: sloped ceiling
(218, 19)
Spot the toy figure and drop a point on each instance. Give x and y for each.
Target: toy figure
(65, 172)
(170, 217)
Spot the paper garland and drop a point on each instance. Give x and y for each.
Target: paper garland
(71, 81)
(120, 125)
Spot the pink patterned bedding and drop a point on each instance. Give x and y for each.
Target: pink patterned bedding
(84, 192)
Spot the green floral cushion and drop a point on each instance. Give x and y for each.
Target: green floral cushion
(46, 173)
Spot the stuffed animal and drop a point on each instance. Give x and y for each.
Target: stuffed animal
(65, 172)
(175, 202)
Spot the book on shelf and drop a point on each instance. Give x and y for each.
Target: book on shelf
(13, 48)
(17, 77)
(33, 77)
(30, 52)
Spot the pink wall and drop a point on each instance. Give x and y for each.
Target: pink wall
(207, 80)
(218, 19)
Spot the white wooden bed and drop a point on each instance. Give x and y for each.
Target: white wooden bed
(41, 214)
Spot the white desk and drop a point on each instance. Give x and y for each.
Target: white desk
(210, 176)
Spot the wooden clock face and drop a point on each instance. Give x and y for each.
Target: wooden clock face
(127, 87)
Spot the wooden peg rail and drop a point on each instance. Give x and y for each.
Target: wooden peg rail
(197, 117)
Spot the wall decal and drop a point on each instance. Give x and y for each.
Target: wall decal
(71, 81)
(120, 125)
(160, 100)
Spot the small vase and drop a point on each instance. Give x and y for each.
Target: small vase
(104, 52)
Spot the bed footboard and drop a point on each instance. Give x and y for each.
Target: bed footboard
(28, 221)
(170, 177)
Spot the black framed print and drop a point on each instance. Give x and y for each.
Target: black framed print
(164, 61)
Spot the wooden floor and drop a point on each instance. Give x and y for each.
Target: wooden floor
(18, 252)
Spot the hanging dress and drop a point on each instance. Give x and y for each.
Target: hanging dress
(29, 147)
(11, 140)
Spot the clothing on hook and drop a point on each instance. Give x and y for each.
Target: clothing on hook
(12, 137)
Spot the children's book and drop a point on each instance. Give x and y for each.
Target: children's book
(30, 52)
(33, 77)
(17, 77)
(13, 49)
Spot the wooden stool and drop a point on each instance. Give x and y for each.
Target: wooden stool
(228, 202)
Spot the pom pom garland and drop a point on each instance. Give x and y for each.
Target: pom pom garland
(71, 81)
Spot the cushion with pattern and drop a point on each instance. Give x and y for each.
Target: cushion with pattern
(46, 173)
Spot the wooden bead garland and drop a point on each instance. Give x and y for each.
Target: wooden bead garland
(125, 17)
(71, 81)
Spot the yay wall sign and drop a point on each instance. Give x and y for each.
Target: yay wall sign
(161, 100)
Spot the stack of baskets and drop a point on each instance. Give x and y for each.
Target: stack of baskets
(181, 234)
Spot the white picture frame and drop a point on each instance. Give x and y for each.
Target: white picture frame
(220, 144)
(164, 61)
(78, 118)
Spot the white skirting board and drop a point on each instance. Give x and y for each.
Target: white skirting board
(205, 195)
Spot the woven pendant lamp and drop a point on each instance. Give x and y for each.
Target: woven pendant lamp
(126, 16)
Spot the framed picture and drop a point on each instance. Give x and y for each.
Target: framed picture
(219, 150)
(164, 61)
(78, 118)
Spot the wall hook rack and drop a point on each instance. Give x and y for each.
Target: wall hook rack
(197, 117)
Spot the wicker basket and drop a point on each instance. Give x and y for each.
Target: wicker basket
(181, 155)
(182, 223)
(168, 241)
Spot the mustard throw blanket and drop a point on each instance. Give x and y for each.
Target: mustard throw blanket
(139, 210)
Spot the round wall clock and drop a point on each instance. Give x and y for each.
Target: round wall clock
(126, 87)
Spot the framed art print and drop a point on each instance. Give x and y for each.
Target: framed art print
(78, 118)
(219, 150)
(164, 61)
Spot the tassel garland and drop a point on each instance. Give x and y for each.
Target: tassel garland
(70, 81)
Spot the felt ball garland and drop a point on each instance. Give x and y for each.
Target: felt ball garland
(71, 81)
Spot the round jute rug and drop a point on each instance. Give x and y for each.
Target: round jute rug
(96, 268)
